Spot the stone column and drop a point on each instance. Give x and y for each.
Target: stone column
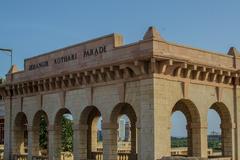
(83, 142)
(76, 141)
(133, 142)
(138, 140)
(226, 139)
(8, 131)
(203, 141)
(236, 120)
(53, 152)
(152, 130)
(198, 140)
(189, 140)
(109, 141)
(33, 142)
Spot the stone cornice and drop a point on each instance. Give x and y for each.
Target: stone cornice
(143, 59)
(171, 68)
(74, 79)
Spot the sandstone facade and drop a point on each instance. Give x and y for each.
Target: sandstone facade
(147, 80)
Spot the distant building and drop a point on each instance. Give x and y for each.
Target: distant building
(99, 136)
(127, 131)
(121, 129)
(214, 137)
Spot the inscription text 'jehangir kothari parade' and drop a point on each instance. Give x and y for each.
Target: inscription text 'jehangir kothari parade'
(86, 53)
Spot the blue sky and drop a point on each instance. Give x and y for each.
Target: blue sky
(35, 27)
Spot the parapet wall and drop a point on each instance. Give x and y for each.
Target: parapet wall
(195, 158)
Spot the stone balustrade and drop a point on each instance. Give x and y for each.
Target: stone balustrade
(39, 158)
(195, 158)
(20, 157)
(121, 156)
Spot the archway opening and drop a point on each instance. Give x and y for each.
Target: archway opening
(179, 135)
(219, 131)
(188, 113)
(40, 134)
(124, 118)
(64, 134)
(21, 134)
(214, 134)
(92, 119)
(124, 134)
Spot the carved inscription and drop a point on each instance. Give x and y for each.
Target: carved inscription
(38, 65)
(94, 52)
(67, 58)
(71, 57)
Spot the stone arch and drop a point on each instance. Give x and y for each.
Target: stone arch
(61, 112)
(88, 126)
(37, 119)
(192, 115)
(226, 127)
(20, 133)
(88, 113)
(223, 112)
(189, 109)
(58, 131)
(124, 109)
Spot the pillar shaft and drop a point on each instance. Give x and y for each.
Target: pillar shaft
(53, 152)
(226, 139)
(82, 142)
(197, 145)
(109, 141)
(33, 143)
(133, 142)
(79, 143)
(8, 131)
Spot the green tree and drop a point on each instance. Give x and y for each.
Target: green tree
(43, 133)
(67, 134)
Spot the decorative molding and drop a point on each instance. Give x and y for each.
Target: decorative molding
(163, 66)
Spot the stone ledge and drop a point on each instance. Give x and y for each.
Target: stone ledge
(195, 158)
(182, 158)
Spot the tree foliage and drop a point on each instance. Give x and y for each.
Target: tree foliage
(43, 138)
(178, 142)
(67, 134)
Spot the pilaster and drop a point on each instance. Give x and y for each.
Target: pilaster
(109, 141)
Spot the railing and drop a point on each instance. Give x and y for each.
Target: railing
(20, 157)
(39, 158)
(191, 158)
(97, 156)
(124, 156)
(220, 158)
(121, 156)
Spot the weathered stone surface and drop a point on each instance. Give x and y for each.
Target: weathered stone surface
(147, 80)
